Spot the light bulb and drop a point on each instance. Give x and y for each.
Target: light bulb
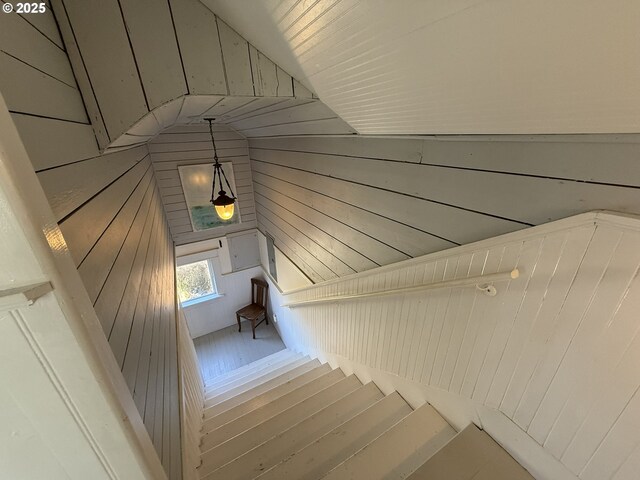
(225, 212)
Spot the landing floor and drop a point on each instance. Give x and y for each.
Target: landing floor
(225, 350)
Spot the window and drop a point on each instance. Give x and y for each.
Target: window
(195, 280)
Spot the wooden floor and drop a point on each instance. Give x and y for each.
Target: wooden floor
(225, 350)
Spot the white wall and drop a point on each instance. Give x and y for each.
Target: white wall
(66, 409)
(132, 59)
(215, 314)
(548, 366)
(109, 211)
(289, 276)
(467, 66)
(340, 205)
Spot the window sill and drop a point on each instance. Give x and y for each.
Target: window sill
(199, 300)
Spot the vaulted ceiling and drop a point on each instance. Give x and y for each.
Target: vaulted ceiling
(457, 66)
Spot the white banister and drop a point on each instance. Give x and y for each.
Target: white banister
(481, 282)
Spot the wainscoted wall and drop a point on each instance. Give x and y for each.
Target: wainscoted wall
(340, 205)
(111, 215)
(551, 361)
(191, 145)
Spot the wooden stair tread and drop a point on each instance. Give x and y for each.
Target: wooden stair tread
(247, 391)
(256, 417)
(214, 421)
(212, 382)
(253, 376)
(255, 461)
(319, 457)
(400, 450)
(471, 454)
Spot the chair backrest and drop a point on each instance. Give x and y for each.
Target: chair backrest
(259, 289)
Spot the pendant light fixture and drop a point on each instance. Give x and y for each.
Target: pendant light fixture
(224, 204)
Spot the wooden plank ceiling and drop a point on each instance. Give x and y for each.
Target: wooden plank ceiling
(456, 67)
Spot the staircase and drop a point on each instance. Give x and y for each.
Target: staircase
(287, 416)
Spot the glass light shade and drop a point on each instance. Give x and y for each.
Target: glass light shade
(225, 212)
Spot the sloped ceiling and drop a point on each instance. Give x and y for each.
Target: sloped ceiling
(457, 66)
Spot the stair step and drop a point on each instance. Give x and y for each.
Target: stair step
(252, 375)
(213, 382)
(471, 454)
(319, 457)
(253, 462)
(268, 410)
(237, 395)
(214, 421)
(400, 450)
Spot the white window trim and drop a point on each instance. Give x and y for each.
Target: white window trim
(204, 298)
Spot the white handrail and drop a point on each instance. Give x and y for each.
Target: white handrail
(482, 282)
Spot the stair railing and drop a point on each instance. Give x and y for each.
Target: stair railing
(484, 283)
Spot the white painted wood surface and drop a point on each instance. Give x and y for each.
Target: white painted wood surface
(59, 379)
(342, 442)
(191, 401)
(134, 58)
(400, 450)
(456, 67)
(107, 207)
(556, 365)
(295, 438)
(192, 145)
(335, 205)
(104, 44)
(472, 454)
(153, 40)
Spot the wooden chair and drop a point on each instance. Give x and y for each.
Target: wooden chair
(258, 307)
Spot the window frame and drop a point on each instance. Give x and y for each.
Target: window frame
(204, 298)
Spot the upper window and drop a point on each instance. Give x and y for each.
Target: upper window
(195, 280)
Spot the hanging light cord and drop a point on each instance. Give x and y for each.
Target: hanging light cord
(217, 168)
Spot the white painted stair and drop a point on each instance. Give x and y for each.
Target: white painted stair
(287, 416)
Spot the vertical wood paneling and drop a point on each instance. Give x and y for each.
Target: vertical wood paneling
(197, 32)
(556, 351)
(104, 44)
(150, 29)
(237, 65)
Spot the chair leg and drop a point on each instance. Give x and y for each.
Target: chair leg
(266, 318)
(238, 319)
(253, 328)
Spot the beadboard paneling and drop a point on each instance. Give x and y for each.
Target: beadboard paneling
(361, 201)
(191, 145)
(556, 351)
